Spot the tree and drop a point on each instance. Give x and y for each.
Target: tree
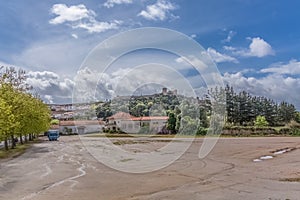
(7, 122)
(297, 117)
(22, 113)
(261, 121)
(171, 124)
(54, 122)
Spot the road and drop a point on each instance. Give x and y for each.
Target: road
(65, 170)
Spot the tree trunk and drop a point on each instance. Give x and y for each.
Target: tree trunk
(13, 142)
(21, 139)
(26, 140)
(6, 144)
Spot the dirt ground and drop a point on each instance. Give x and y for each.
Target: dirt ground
(66, 170)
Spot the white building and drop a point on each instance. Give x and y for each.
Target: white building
(130, 124)
(81, 126)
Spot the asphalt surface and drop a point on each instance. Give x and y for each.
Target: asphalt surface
(65, 169)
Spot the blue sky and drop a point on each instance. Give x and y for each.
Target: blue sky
(255, 43)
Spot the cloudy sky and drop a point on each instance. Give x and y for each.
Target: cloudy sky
(255, 43)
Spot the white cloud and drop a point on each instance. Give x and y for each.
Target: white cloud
(191, 60)
(48, 98)
(70, 14)
(291, 68)
(112, 3)
(74, 36)
(158, 11)
(98, 27)
(230, 35)
(80, 17)
(258, 48)
(193, 36)
(50, 86)
(229, 48)
(218, 57)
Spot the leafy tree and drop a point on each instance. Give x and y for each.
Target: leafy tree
(171, 124)
(297, 117)
(26, 114)
(7, 122)
(189, 126)
(54, 122)
(261, 121)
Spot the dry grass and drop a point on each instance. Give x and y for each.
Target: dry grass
(12, 153)
(291, 179)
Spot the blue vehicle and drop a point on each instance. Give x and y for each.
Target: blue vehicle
(53, 135)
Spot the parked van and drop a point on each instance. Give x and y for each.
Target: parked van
(53, 135)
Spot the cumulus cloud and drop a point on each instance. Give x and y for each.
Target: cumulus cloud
(72, 13)
(230, 35)
(48, 98)
(193, 36)
(218, 57)
(191, 60)
(50, 86)
(91, 85)
(78, 16)
(257, 48)
(97, 27)
(112, 3)
(158, 11)
(291, 68)
(74, 36)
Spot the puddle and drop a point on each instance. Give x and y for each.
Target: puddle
(282, 151)
(266, 157)
(263, 158)
(277, 152)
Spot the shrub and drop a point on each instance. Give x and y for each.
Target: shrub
(261, 121)
(201, 131)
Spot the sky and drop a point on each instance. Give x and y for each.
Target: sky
(254, 43)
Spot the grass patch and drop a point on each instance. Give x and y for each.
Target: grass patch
(116, 135)
(123, 142)
(12, 153)
(108, 135)
(291, 179)
(126, 160)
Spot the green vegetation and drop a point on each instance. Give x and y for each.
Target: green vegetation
(261, 121)
(11, 153)
(243, 109)
(191, 116)
(54, 122)
(22, 115)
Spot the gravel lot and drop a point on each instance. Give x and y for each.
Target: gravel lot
(66, 170)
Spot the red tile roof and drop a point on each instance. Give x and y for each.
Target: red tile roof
(120, 115)
(54, 126)
(150, 118)
(81, 123)
(127, 116)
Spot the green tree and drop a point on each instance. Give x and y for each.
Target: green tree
(261, 121)
(297, 117)
(7, 122)
(54, 122)
(171, 124)
(28, 114)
